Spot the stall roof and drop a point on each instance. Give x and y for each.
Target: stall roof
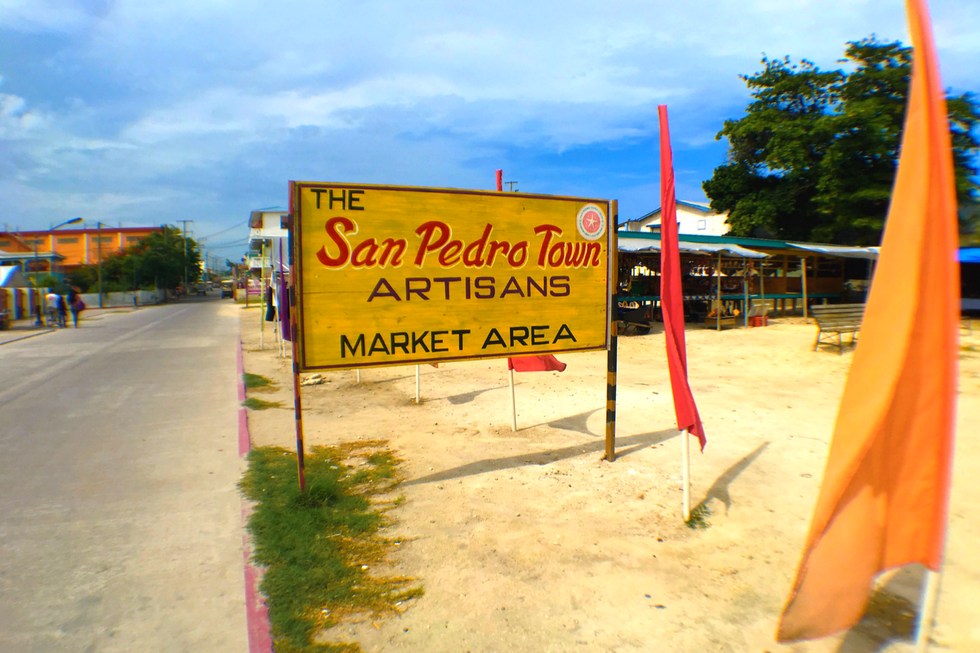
(768, 246)
(27, 256)
(839, 250)
(645, 245)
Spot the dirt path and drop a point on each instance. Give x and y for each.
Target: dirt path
(526, 541)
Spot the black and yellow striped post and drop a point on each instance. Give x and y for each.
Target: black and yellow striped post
(294, 334)
(613, 316)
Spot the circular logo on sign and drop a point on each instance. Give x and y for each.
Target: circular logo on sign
(591, 222)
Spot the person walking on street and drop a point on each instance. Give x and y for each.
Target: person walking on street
(51, 307)
(62, 306)
(76, 305)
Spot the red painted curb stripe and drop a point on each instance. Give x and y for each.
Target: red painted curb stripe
(240, 365)
(257, 615)
(256, 612)
(244, 440)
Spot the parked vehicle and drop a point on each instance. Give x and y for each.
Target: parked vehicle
(227, 289)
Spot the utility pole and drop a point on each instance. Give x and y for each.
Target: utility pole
(37, 288)
(511, 184)
(98, 242)
(186, 289)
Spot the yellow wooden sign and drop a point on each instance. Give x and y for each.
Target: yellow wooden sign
(396, 275)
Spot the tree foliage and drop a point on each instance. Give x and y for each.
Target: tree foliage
(815, 156)
(157, 260)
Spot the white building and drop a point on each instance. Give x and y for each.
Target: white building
(265, 236)
(694, 218)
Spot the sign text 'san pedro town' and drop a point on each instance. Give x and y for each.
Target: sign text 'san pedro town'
(391, 275)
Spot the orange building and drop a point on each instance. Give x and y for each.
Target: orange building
(78, 246)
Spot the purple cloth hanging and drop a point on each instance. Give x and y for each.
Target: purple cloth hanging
(284, 308)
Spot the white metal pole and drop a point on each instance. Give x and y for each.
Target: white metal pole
(927, 613)
(513, 402)
(418, 387)
(262, 301)
(359, 375)
(686, 471)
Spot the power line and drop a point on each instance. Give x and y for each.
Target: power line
(233, 240)
(218, 233)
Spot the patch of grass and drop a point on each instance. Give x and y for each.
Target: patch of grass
(253, 381)
(258, 404)
(699, 517)
(320, 548)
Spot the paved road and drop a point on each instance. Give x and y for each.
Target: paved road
(120, 521)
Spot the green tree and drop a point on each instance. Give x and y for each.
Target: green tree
(157, 260)
(814, 157)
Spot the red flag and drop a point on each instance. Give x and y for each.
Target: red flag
(671, 297)
(884, 497)
(500, 180)
(546, 363)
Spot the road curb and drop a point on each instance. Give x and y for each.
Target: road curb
(256, 611)
(30, 335)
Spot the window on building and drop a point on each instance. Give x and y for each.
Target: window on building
(68, 241)
(133, 239)
(4, 243)
(34, 241)
(103, 239)
(702, 225)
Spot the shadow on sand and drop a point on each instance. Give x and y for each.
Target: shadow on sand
(719, 489)
(466, 397)
(632, 444)
(577, 423)
(892, 614)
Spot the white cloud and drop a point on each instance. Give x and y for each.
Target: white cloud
(192, 100)
(16, 122)
(48, 15)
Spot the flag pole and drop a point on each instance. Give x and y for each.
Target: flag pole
(927, 614)
(418, 390)
(513, 401)
(686, 472)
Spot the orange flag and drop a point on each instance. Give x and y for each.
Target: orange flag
(885, 491)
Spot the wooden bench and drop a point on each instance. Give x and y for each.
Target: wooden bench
(839, 319)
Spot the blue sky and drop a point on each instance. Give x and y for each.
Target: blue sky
(150, 112)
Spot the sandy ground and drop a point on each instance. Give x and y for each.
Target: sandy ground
(527, 541)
